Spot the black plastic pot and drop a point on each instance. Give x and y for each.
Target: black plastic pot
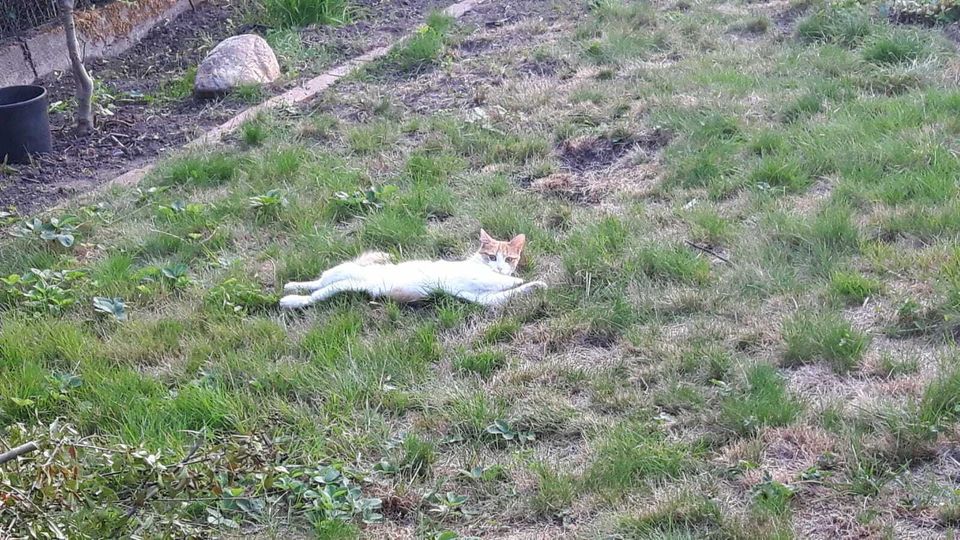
(24, 123)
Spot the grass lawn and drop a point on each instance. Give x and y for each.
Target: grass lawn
(748, 215)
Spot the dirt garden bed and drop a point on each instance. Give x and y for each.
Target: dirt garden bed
(144, 102)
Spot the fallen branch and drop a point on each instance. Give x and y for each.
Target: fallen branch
(708, 251)
(18, 451)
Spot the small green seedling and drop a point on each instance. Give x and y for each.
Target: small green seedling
(176, 208)
(502, 429)
(113, 307)
(8, 216)
(270, 203)
(175, 275)
(241, 297)
(361, 202)
(60, 230)
(447, 503)
(49, 291)
(483, 474)
(772, 496)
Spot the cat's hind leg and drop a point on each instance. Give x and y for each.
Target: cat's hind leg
(294, 301)
(297, 286)
(347, 270)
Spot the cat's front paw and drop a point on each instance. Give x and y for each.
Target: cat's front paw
(537, 285)
(294, 301)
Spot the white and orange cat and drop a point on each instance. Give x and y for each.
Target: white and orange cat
(484, 278)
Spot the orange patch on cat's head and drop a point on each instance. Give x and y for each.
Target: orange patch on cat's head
(507, 252)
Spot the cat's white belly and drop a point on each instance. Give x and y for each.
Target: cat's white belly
(473, 280)
(418, 279)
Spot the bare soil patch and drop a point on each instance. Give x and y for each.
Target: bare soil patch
(787, 19)
(141, 116)
(495, 31)
(542, 67)
(952, 31)
(594, 153)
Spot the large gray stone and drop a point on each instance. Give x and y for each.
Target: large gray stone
(236, 61)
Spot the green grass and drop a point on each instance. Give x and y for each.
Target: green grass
(687, 516)
(711, 227)
(818, 243)
(853, 288)
(823, 337)
(710, 167)
(296, 55)
(470, 413)
(394, 227)
(675, 263)
(483, 363)
(432, 170)
(178, 88)
(597, 252)
(763, 401)
(633, 454)
(423, 49)
(898, 47)
(802, 107)
(940, 400)
(555, 490)
(911, 433)
(298, 13)
(372, 137)
(844, 27)
(418, 456)
(753, 25)
(949, 513)
(254, 132)
(777, 173)
(488, 146)
(501, 331)
(768, 143)
(249, 93)
(610, 36)
(679, 397)
(771, 497)
(890, 366)
(203, 171)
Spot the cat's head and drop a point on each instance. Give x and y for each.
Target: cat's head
(501, 256)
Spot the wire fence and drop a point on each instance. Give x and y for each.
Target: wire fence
(19, 16)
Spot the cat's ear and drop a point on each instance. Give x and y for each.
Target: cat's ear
(485, 238)
(516, 244)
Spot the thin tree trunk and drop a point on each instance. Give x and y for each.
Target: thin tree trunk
(80, 76)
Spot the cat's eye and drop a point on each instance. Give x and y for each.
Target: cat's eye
(491, 256)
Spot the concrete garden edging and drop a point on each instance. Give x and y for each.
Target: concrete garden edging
(103, 31)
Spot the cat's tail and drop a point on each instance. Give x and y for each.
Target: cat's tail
(373, 257)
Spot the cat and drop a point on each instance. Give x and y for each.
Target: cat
(484, 278)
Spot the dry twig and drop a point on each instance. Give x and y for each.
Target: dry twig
(18, 451)
(708, 251)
